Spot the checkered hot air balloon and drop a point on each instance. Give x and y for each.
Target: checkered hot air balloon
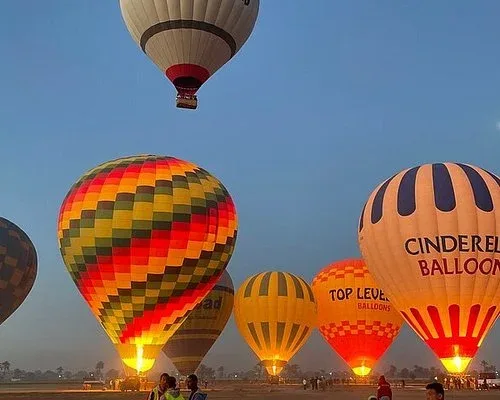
(187, 347)
(145, 238)
(430, 238)
(189, 40)
(354, 315)
(18, 267)
(275, 312)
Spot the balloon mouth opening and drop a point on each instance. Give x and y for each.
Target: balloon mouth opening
(274, 366)
(457, 364)
(361, 370)
(187, 83)
(187, 78)
(138, 357)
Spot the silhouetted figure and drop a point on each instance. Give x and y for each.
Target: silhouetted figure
(434, 391)
(192, 384)
(384, 391)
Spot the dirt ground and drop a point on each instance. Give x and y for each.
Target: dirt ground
(238, 391)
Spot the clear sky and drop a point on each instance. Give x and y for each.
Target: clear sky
(326, 100)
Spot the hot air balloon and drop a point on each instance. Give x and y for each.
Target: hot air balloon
(145, 238)
(18, 267)
(189, 40)
(354, 315)
(192, 341)
(275, 313)
(429, 236)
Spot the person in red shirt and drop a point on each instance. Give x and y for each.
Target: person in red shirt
(384, 391)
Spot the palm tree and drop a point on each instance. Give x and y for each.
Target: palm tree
(5, 367)
(98, 368)
(484, 364)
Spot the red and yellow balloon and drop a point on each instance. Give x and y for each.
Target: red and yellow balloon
(354, 315)
(430, 237)
(145, 238)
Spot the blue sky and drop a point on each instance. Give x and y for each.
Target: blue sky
(321, 104)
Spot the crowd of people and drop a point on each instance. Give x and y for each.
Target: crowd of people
(455, 383)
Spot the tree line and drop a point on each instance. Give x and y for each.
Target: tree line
(206, 373)
(9, 374)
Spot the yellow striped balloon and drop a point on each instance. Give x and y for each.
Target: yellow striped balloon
(275, 313)
(187, 347)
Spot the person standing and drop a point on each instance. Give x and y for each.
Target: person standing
(172, 393)
(304, 382)
(192, 384)
(160, 389)
(384, 391)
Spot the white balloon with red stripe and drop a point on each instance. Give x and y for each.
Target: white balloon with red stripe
(189, 40)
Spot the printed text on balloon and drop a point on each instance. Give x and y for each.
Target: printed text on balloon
(361, 294)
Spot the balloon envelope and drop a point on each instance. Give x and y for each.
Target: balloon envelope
(189, 40)
(145, 238)
(18, 267)
(430, 238)
(354, 315)
(275, 313)
(187, 347)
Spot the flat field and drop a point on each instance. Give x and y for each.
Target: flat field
(238, 391)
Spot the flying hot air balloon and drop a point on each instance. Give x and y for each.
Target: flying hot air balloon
(187, 347)
(429, 236)
(354, 315)
(189, 40)
(145, 238)
(275, 313)
(18, 267)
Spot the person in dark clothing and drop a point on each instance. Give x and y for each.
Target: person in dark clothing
(192, 384)
(159, 390)
(434, 391)
(384, 391)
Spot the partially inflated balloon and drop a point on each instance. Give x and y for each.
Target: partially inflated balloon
(192, 341)
(354, 315)
(145, 238)
(275, 313)
(189, 40)
(18, 267)
(430, 238)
